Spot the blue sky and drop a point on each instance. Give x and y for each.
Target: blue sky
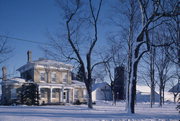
(27, 19)
(30, 20)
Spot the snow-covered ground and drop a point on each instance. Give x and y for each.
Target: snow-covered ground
(103, 111)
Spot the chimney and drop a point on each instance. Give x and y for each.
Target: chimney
(29, 56)
(4, 73)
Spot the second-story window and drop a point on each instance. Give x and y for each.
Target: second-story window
(64, 76)
(53, 77)
(42, 76)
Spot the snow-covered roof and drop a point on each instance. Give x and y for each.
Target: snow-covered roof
(143, 89)
(77, 83)
(45, 63)
(99, 85)
(15, 80)
(176, 88)
(18, 79)
(168, 96)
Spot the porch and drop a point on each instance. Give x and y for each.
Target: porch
(54, 94)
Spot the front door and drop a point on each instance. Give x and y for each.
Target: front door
(66, 96)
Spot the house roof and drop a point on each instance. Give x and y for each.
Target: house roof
(78, 83)
(143, 89)
(15, 80)
(45, 63)
(99, 85)
(176, 88)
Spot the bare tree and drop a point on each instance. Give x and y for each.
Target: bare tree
(78, 23)
(147, 72)
(151, 11)
(123, 40)
(152, 75)
(5, 49)
(175, 88)
(173, 51)
(117, 59)
(163, 68)
(163, 63)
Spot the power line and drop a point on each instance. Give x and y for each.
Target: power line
(25, 40)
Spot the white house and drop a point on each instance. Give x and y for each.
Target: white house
(53, 78)
(143, 94)
(101, 91)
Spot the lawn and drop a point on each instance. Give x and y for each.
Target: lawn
(103, 111)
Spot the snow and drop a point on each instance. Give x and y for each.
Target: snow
(78, 83)
(144, 89)
(103, 111)
(143, 94)
(101, 91)
(18, 80)
(168, 96)
(15, 80)
(45, 63)
(99, 85)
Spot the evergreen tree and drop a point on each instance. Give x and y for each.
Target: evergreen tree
(80, 74)
(29, 94)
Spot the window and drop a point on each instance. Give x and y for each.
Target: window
(53, 77)
(85, 93)
(43, 93)
(42, 76)
(64, 76)
(76, 93)
(13, 94)
(55, 93)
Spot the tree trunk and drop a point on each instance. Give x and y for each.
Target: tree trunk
(89, 80)
(152, 56)
(160, 98)
(89, 91)
(127, 93)
(129, 70)
(114, 101)
(175, 95)
(132, 94)
(152, 98)
(90, 99)
(163, 94)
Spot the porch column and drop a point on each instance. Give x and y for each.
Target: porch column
(73, 95)
(62, 90)
(39, 91)
(51, 94)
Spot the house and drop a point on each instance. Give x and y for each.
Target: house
(143, 94)
(53, 78)
(101, 91)
(175, 89)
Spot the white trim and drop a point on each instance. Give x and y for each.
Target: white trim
(51, 67)
(51, 94)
